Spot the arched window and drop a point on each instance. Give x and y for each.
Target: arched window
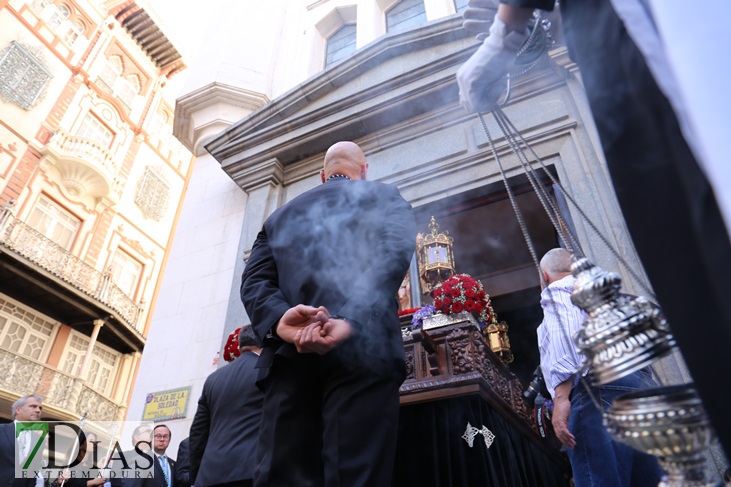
(340, 45)
(111, 71)
(93, 129)
(405, 15)
(39, 6)
(113, 81)
(126, 272)
(460, 5)
(59, 17)
(76, 29)
(54, 222)
(126, 89)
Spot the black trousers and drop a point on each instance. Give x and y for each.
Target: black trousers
(667, 203)
(327, 423)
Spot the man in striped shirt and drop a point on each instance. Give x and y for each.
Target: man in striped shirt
(596, 459)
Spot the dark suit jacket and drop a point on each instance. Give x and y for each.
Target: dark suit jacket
(7, 458)
(182, 465)
(345, 245)
(7, 454)
(159, 479)
(225, 429)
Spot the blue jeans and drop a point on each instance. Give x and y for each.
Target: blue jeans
(597, 460)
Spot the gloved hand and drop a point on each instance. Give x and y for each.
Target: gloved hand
(478, 17)
(481, 78)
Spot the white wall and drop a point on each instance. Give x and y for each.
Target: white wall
(189, 318)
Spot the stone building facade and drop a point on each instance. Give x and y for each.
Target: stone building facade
(380, 73)
(91, 181)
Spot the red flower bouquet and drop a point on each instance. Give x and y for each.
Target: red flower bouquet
(462, 293)
(231, 349)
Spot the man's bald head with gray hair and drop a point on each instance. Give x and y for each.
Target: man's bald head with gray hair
(556, 264)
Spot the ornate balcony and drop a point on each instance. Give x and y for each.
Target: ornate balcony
(51, 279)
(63, 396)
(86, 167)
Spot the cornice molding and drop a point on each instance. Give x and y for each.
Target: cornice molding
(202, 99)
(306, 120)
(391, 83)
(560, 57)
(265, 173)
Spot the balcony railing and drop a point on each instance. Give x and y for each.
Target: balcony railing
(47, 254)
(21, 376)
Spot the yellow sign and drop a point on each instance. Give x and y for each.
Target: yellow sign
(165, 405)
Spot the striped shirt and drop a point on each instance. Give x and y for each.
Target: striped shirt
(562, 320)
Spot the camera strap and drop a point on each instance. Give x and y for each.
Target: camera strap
(539, 419)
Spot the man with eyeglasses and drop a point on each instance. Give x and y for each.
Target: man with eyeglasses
(164, 466)
(147, 465)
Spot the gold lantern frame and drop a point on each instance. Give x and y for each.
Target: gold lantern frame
(435, 257)
(496, 335)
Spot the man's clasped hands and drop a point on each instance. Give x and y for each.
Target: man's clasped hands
(312, 330)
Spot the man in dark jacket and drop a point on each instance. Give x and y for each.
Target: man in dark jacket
(182, 464)
(224, 432)
(659, 184)
(323, 277)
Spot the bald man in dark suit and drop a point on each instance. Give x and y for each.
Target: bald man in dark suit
(321, 289)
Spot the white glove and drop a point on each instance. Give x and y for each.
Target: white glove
(481, 78)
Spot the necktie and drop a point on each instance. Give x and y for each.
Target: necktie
(164, 465)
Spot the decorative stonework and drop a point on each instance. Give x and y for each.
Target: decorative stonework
(153, 193)
(135, 244)
(8, 155)
(129, 66)
(11, 147)
(195, 123)
(74, 187)
(23, 76)
(86, 166)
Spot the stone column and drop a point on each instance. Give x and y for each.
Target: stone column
(79, 380)
(122, 410)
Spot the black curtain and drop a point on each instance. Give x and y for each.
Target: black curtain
(432, 453)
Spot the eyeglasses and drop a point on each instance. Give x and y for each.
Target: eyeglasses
(162, 437)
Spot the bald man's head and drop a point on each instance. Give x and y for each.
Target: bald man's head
(345, 158)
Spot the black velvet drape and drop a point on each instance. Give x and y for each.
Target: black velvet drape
(432, 453)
